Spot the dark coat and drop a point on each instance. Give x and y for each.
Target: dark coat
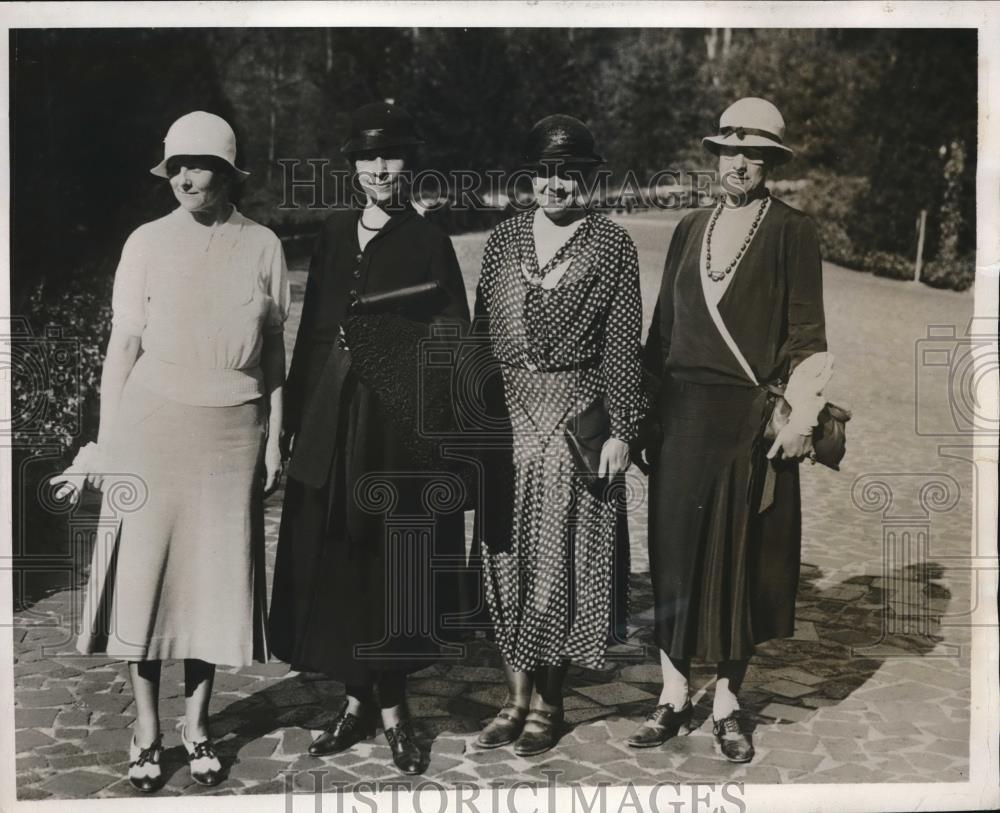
(363, 532)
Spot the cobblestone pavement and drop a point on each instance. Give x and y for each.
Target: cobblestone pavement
(874, 687)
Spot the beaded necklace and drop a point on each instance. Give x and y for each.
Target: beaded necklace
(718, 276)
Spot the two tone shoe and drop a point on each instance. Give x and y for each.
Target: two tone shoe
(661, 724)
(206, 769)
(733, 739)
(346, 730)
(144, 772)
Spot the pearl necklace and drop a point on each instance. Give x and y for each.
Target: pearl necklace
(718, 276)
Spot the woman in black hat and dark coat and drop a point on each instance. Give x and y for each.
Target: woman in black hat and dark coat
(560, 290)
(353, 595)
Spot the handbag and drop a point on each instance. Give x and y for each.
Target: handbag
(586, 433)
(829, 436)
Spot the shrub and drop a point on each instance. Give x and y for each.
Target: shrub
(56, 357)
(957, 274)
(831, 201)
(888, 264)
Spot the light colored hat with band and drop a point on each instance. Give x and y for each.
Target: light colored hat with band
(199, 133)
(751, 122)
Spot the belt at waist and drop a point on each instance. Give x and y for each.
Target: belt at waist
(585, 364)
(199, 386)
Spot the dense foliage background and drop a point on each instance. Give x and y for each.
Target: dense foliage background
(883, 121)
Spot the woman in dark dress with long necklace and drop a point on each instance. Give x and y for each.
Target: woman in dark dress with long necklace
(358, 532)
(741, 306)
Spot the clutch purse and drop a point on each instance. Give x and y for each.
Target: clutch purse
(829, 437)
(586, 433)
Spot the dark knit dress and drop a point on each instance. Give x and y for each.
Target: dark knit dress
(725, 575)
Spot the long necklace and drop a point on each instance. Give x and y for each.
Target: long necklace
(718, 276)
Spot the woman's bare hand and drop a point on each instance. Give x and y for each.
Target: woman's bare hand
(272, 467)
(614, 458)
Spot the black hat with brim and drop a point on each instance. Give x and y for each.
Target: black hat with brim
(560, 141)
(379, 126)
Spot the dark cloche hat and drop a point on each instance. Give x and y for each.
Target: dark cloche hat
(378, 125)
(560, 138)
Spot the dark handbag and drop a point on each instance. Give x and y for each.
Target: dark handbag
(829, 437)
(586, 433)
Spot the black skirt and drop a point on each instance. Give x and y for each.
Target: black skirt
(354, 604)
(724, 576)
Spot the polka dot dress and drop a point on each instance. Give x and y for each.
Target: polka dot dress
(561, 347)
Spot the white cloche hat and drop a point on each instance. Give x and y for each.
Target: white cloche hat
(751, 122)
(199, 133)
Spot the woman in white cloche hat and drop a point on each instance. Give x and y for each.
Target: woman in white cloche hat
(189, 429)
(740, 308)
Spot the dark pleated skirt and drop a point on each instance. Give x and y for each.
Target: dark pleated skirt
(383, 597)
(724, 576)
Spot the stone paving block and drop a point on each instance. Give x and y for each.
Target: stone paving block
(78, 784)
(574, 701)
(35, 718)
(781, 711)
(450, 744)
(483, 756)
(908, 691)
(435, 686)
(847, 773)
(226, 682)
(949, 731)
(32, 794)
(113, 757)
(898, 728)
(642, 673)
(791, 759)
(74, 761)
(761, 775)
(894, 765)
(576, 716)
(71, 733)
(706, 767)
(29, 763)
(114, 739)
(500, 769)
(797, 675)
(786, 740)
(910, 712)
(787, 688)
(295, 741)
(492, 696)
(262, 747)
(475, 674)
(108, 721)
(892, 745)
(844, 750)
(71, 718)
(59, 749)
(439, 763)
(591, 732)
(44, 698)
(116, 703)
(257, 768)
(266, 669)
(614, 694)
(564, 771)
(953, 748)
(830, 728)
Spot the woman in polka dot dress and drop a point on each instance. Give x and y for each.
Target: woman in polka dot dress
(560, 290)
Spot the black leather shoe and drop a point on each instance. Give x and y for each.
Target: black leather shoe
(733, 740)
(662, 723)
(504, 728)
(549, 725)
(405, 751)
(346, 730)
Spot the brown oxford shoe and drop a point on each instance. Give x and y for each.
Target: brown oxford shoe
(662, 723)
(733, 739)
(346, 730)
(406, 754)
